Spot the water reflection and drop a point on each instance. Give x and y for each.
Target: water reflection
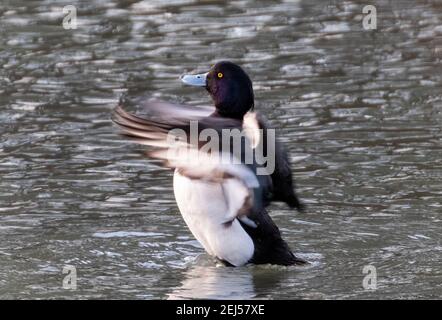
(209, 282)
(204, 280)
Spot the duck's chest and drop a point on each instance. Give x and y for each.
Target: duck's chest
(205, 208)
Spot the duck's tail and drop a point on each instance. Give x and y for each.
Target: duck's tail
(278, 253)
(269, 245)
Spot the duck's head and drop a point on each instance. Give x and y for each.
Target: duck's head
(228, 85)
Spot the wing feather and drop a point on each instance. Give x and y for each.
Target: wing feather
(174, 151)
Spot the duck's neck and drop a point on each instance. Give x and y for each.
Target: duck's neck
(238, 116)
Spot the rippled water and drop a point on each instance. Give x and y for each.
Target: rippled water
(361, 115)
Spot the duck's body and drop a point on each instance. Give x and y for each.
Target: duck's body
(205, 209)
(220, 195)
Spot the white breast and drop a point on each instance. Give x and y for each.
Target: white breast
(205, 207)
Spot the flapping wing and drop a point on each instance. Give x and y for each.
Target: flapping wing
(167, 128)
(282, 188)
(162, 117)
(167, 110)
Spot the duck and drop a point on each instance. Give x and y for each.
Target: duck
(222, 189)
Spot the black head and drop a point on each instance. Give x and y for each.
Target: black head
(229, 86)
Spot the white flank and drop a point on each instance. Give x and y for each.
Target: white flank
(205, 207)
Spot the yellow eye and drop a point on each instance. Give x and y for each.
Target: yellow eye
(220, 75)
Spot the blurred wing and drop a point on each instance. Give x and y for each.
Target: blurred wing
(175, 150)
(161, 117)
(282, 182)
(175, 111)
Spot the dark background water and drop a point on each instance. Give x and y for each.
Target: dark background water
(360, 111)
